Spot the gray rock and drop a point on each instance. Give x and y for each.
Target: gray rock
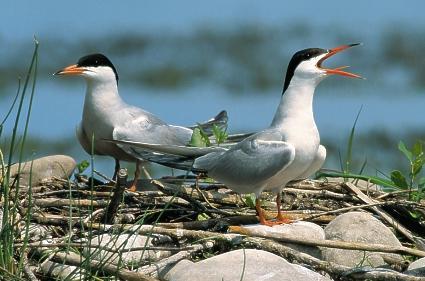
(299, 230)
(359, 227)
(253, 264)
(60, 166)
(115, 244)
(36, 232)
(417, 268)
(61, 272)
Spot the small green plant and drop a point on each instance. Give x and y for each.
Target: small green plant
(412, 181)
(219, 134)
(201, 139)
(249, 200)
(82, 166)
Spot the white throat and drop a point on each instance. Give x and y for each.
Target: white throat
(296, 104)
(102, 94)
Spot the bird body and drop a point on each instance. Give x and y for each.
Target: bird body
(289, 149)
(107, 116)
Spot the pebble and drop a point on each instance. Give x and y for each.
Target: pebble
(122, 242)
(251, 264)
(359, 227)
(60, 166)
(299, 230)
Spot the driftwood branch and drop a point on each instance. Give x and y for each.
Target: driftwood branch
(330, 243)
(122, 273)
(390, 220)
(116, 199)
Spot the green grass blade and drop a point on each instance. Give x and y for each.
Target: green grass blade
(348, 157)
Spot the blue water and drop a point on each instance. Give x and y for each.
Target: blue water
(387, 104)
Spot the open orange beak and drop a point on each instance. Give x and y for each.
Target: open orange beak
(338, 70)
(71, 70)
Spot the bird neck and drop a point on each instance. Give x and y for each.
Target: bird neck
(296, 104)
(102, 94)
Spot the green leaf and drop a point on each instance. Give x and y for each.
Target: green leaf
(417, 166)
(219, 134)
(372, 179)
(250, 200)
(204, 136)
(417, 149)
(348, 156)
(197, 139)
(421, 183)
(202, 217)
(82, 166)
(398, 179)
(402, 147)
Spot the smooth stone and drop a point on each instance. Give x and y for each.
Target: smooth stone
(417, 268)
(298, 230)
(253, 264)
(61, 272)
(60, 166)
(359, 227)
(125, 242)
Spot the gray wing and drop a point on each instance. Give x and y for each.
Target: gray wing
(143, 126)
(249, 163)
(179, 150)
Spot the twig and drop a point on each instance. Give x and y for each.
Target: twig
(330, 243)
(116, 199)
(335, 270)
(342, 210)
(122, 273)
(390, 220)
(155, 268)
(54, 202)
(321, 193)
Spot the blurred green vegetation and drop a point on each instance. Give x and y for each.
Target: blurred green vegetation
(240, 59)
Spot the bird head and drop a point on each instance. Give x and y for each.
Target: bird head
(92, 67)
(307, 64)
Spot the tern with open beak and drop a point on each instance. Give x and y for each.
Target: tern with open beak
(289, 149)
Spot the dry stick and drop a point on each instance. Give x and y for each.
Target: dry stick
(155, 268)
(322, 193)
(277, 248)
(235, 236)
(116, 199)
(66, 192)
(105, 248)
(329, 243)
(28, 272)
(216, 197)
(378, 211)
(54, 202)
(342, 210)
(334, 269)
(208, 224)
(122, 273)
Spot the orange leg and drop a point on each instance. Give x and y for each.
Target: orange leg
(260, 212)
(281, 219)
(133, 186)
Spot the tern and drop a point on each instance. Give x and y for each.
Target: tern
(107, 116)
(289, 149)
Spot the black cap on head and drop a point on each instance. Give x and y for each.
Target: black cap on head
(97, 60)
(297, 58)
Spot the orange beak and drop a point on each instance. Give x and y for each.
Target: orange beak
(338, 70)
(70, 70)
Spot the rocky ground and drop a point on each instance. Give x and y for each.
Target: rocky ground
(189, 229)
